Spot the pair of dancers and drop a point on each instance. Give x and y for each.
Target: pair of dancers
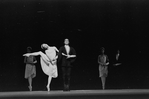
(48, 62)
(103, 61)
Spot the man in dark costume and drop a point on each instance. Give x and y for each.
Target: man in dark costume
(67, 56)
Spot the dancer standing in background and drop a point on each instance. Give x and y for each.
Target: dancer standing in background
(117, 59)
(30, 70)
(48, 61)
(67, 54)
(103, 67)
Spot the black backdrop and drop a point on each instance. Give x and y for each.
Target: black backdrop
(89, 24)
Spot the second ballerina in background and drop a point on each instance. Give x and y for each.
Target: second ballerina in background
(48, 61)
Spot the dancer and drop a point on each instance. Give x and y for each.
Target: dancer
(67, 54)
(103, 67)
(117, 59)
(30, 70)
(48, 61)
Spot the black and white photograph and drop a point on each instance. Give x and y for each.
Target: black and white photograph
(74, 49)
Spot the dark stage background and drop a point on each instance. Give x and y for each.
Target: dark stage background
(89, 24)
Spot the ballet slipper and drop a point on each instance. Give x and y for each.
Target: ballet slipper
(48, 88)
(30, 88)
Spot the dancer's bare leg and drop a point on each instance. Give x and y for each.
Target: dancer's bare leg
(30, 83)
(103, 80)
(49, 82)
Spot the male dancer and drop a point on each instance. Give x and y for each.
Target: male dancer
(67, 54)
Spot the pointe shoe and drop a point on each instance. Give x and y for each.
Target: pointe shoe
(30, 88)
(48, 88)
(66, 88)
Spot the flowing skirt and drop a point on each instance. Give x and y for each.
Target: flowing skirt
(103, 71)
(50, 70)
(30, 71)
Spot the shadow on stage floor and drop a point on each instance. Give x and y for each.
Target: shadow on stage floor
(79, 94)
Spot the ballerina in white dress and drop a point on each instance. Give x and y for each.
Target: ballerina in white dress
(48, 61)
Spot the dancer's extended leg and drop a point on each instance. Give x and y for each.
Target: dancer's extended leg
(49, 82)
(44, 57)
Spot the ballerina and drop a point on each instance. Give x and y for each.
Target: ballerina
(30, 69)
(103, 61)
(48, 61)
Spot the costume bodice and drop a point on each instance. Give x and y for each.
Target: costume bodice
(103, 58)
(51, 53)
(30, 59)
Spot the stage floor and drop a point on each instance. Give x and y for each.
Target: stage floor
(79, 94)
